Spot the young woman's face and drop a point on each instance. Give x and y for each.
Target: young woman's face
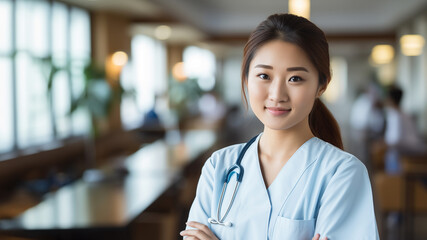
(282, 85)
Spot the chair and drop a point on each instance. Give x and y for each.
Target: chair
(403, 193)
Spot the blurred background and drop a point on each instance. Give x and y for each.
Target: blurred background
(109, 108)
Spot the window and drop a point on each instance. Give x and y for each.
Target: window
(33, 119)
(37, 35)
(6, 103)
(80, 56)
(199, 64)
(338, 86)
(6, 26)
(146, 75)
(62, 81)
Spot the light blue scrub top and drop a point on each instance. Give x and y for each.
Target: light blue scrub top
(321, 189)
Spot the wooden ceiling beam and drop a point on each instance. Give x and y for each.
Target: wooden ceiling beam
(368, 37)
(387, 37)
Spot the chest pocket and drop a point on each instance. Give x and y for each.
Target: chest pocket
(288, 229)
(222, 232)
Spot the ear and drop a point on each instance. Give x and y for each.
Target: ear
(321, 90)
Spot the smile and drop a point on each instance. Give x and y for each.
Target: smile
(277, 111)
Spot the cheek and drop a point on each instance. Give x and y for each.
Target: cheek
(305, 99)
(255, 91)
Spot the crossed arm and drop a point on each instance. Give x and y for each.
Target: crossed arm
(202, 232)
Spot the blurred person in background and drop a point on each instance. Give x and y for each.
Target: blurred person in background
(367, 115)
(367, 121)
(400, 134)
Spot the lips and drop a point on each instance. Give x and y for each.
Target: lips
(277, 111)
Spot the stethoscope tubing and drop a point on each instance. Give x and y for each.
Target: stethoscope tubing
(231, 201)
(239, 178)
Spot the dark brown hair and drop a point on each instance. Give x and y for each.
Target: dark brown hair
(303, 33)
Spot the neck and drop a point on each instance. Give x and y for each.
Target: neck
(280, 145)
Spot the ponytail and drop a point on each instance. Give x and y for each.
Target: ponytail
(324, 125)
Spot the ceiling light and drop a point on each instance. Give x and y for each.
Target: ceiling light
(300, 8)
(163, 32)
(382, 54)
(412, 45)
(119, 58)
(178, 72)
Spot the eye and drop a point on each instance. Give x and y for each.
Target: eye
(295, 79)
(263, 76)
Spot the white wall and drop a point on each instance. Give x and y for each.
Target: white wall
(231, 77)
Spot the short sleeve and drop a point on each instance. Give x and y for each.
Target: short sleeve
(201, 207)
(346, 208)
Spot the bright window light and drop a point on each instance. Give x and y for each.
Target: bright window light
(200, 64)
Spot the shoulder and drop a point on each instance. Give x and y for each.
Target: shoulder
(341, 173)
(222, 159)
(226, 156)
(333, 160)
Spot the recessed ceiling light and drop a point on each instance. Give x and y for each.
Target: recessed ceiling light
(412, 45)
(163, 32)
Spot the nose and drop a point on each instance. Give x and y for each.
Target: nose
(278, 91)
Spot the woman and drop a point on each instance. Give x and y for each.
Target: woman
(298, 183)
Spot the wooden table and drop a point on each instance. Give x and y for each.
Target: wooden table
(415, 196)
(89, 210)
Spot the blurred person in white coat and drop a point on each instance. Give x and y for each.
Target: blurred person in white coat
(400, 135)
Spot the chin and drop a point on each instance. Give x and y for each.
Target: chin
(278, 127)
(281, 125)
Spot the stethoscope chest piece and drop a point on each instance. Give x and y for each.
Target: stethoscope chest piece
(225, 224)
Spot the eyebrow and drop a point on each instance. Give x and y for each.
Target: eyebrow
(291, 69)
(263, 66)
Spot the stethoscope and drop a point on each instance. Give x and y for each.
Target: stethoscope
(235, 169)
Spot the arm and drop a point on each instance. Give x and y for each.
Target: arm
(346, 208)
(201, 207)
(317, 237)
(199, 232)
(197, 225)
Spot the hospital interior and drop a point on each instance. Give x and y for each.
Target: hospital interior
(109, 109)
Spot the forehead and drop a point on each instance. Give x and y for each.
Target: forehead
(281, 53)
